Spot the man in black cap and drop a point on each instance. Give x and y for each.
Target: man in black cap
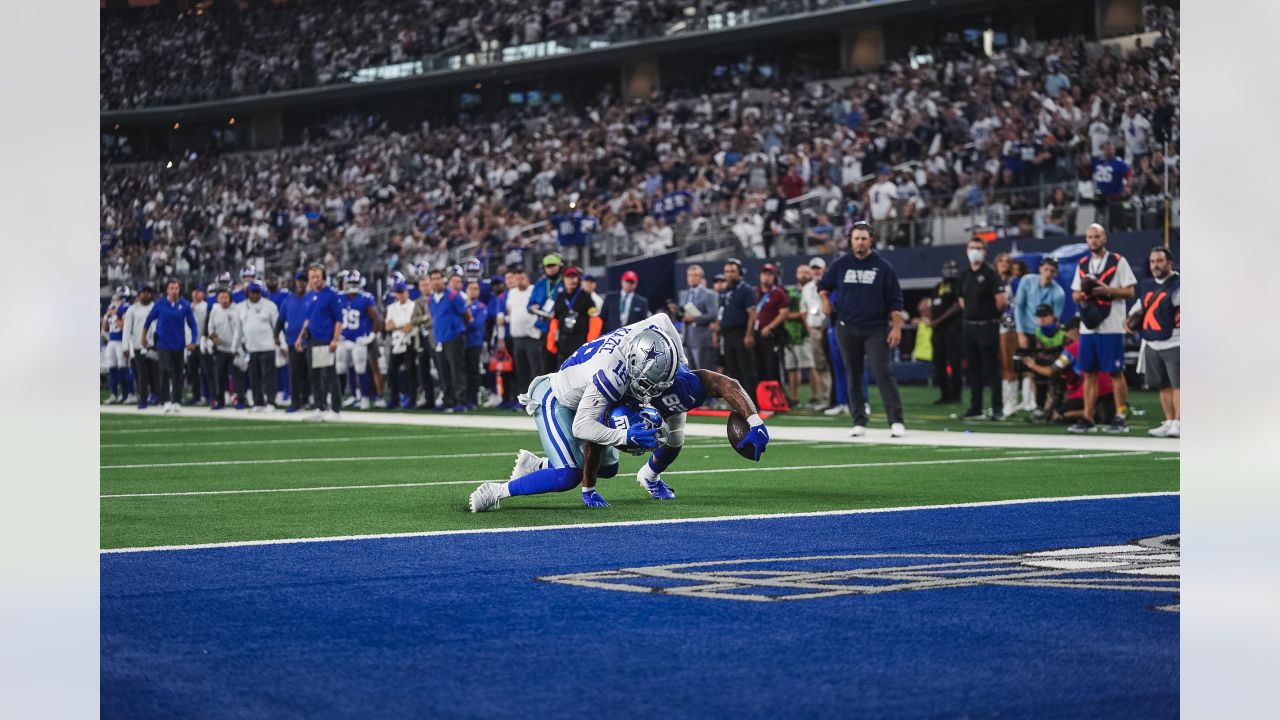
(573, 311)
(947, 339)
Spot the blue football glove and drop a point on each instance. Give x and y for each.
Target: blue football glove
(591, 498)
(642, 438)
(757, 436)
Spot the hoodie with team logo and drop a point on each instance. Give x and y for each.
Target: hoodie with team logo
(864, 291)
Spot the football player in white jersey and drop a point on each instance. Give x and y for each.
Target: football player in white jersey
(571, 406)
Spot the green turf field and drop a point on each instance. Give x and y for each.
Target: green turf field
(177, 481)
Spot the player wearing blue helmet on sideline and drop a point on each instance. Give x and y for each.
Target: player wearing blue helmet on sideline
(689, 390)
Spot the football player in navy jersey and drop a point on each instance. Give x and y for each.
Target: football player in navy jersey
(359, 318)
(690, 390)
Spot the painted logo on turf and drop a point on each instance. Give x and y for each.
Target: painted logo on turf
(1150, 564)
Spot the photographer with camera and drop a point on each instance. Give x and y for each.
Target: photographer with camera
(1101, 284)
(1038, 358)
(1065, 399)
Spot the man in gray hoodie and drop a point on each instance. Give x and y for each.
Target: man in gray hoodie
(258, 317)
(224, 332)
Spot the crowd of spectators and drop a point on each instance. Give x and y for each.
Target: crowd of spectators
(166, 56)
(895, 147)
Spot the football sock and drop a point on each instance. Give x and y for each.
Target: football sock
(545, 481)
(659, 462)
(366, 385)
(113, 381)
(128, 381)
(282, 380)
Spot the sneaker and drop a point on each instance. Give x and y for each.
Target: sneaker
(281, 399)
(468, 407)
(526, 462)
(997, 416)
(837, 410)
(657, 489)
(897, 430)
(972, 414)
(142, 406)
(858, 431)
(485, 497)
(379, 402)
(268, 408)
(292, 409)
(177, 409)
(363, 404)
(240, 405)
(1083, 426)
(866, 409)
(317, 416)
(1162, 430)
(331, 416)
(1116, 426)
(132, 398)
(349, 401)
(217, 406)
(819, 406)
(1175, 429)
(459, 408)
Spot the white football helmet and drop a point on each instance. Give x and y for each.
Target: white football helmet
(652, 359)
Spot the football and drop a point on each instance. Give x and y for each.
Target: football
(737, 428)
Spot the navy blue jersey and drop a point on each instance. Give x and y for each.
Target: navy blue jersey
(356, 322)
(685, 394)
(1109, 176)
(238, 296)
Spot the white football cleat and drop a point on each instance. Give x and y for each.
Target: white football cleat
(858, 431)
(526, 462)
(837, 410)
(363, 404)
(485, 497)
(897, 430)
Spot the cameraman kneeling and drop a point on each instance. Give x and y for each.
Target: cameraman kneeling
(1063, 399)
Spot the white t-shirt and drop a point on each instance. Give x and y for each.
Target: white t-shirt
(882, 196)
(1137, 136)
(518, 315)
(1113, 324)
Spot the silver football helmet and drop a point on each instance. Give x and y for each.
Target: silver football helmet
(651, 363)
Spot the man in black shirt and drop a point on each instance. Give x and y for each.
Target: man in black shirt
(947, 342)
(982, 300)
(737, 326)
(573, 311)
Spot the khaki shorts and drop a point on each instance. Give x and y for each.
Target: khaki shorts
(798, 357)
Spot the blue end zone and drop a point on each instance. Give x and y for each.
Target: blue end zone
(458, 626)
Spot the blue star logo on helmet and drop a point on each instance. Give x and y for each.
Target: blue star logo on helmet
(653, 353)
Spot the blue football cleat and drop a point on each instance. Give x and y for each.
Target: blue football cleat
(659, 490)
(591, 498)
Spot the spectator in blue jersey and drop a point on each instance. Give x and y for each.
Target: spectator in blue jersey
(626, 306)
(1111, 178)
(449, 319)
(542, 301)
(292, 317)
(173, 318)
(474, 344)
(868, 323)
(821, 234)
(321, 331)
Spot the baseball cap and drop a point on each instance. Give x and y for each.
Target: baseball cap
(1049, 260)
(631, 276)
(300, 275)
(718, 278)
(254, 286)
(571, 270)
(146, 287)
(400, 286)
(1042, 310)
(817, 262)
(552, 259)
(589, 276)
(769, 267)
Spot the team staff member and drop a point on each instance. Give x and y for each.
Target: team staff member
(173, 318)
(1158, 314)
(321, 331)
(293, 314)
(772, 305)
(948, 334)
(525, 336)
(258, 317)
(573, 311)
(1108, 278)
(138, 352)
(982, 300)
(403, 333)
(426, 345)
(195, 358)
(737, 326)
(449, 318)
(473, 344)
(696, 328)
(868, 323)
(542, 303)
(224, 341)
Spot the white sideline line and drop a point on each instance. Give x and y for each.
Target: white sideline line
(631, 523)
(286, 441)
(284, 461)
(784, 468)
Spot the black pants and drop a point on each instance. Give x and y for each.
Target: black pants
(145, 376)
(769, 359)
(404, 362)
(740, 360)
(426, 359)
(262, 377)
(982, 353)
(224, 365)
(195, 373)
(526, 353)
(299, 378)
(471, 361)
(871, 346)
(947, 350)
(453, 373)
(567, 345)
(324, 382)
(171, 362)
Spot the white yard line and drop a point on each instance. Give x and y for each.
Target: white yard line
(286, 461)
(631, 523)
(1065, 441)
(291, 441)
(713, 471)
